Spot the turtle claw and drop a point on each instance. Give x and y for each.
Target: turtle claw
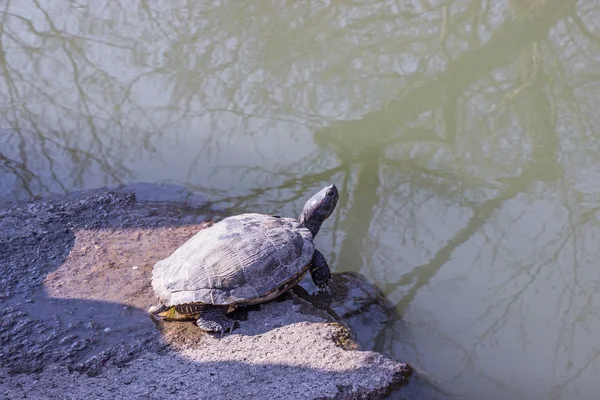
(215, 320)
(325, 286)
(325, 289)
(228, 327)
(216, 327)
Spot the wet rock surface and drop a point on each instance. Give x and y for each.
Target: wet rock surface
(75, 285)
(356, 303)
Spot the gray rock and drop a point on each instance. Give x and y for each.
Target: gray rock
(287, 350)
(73, 325)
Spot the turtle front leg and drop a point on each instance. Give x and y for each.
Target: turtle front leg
(319, 271)
(215, 319)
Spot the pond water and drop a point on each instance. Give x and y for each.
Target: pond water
(463, 137)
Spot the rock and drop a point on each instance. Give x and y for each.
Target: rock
(288, 349)
(357, 303)
(73, 320)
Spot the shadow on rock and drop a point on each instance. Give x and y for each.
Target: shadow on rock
(62, 291)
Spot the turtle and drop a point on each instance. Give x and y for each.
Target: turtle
(242, 260)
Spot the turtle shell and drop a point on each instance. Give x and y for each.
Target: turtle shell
(244, 259)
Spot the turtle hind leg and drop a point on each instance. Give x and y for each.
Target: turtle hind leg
(215, 319)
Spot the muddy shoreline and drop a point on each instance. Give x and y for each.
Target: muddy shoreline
(75, 286)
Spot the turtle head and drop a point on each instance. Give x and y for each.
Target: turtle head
(318, 208)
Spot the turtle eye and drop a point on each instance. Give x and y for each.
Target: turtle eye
(329, 193)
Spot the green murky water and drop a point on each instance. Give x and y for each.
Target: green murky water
(463, 135)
